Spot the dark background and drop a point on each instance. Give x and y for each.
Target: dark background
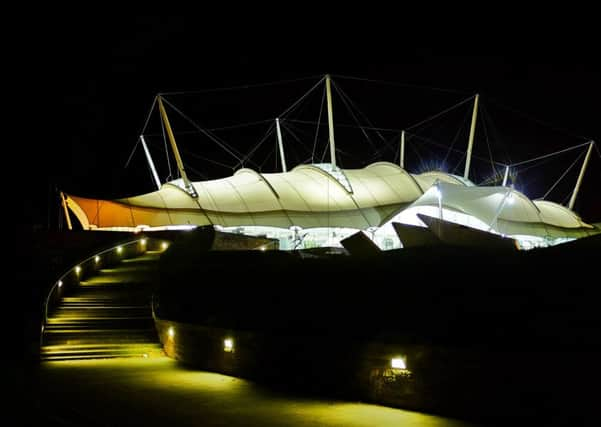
(94, 76)
(98, 74)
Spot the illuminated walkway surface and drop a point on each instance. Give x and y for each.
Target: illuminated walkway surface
(159, 392)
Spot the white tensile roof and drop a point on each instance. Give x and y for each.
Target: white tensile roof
(319, 196)
(500, 209)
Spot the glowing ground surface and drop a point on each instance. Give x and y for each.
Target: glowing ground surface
(158, 391)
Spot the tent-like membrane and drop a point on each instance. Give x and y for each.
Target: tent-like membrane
(330, 206)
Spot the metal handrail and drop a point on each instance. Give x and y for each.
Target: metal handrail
(78, 265)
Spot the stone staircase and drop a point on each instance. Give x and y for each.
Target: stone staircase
(108, 315)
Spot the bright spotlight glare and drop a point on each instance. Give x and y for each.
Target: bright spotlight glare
(171, 332)
(97, 259)
(143, 242)
(60, 283)
(78, 269)
(119, 249)
(164, 245)
(397, 363)
(228, 345)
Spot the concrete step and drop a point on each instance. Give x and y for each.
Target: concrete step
(100, 323)
(131, 301)
(77, 352)
(99, 336)
(132, 274)
(53, 350)
(114, 311)
(149, 256)
(120, 295)
(100, 306)
(113, 286)
(112, 291)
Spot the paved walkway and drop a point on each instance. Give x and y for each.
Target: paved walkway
(157, 391)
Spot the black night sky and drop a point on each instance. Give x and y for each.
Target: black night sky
(522, 341)
(99, 77)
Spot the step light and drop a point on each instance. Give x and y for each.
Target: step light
(228, 345)
(398, 363)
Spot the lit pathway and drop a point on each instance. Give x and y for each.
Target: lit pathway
(159, 392)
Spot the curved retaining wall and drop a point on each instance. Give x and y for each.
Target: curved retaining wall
(474, 347)
(472, 384)
(340, 367)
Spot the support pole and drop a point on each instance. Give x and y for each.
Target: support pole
(468, 158)
(180, 165)
(281, 145)
(581, 175)
(506, 176)
(402, 162)
(157, 181)
(439, 195)
(67, 217)
(500, 208)
(331, 121)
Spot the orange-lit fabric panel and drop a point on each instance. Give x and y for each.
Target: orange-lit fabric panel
(106, 213)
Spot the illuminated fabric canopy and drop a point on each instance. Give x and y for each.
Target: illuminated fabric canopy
(308, 196)
(499, 210)
(320, 196)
